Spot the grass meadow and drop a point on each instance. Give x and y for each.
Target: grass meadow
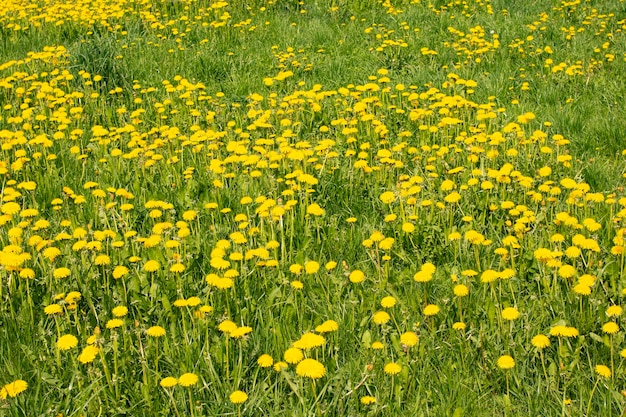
(324, 207)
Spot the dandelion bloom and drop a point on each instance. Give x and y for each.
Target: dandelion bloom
(114, 323)
(387, 197)
(488, 276)
(187, 379)
(119, 271)
(238, 397)
(459, 325)
(310, 368)
(155, 331)
(14, 388)
(356, 276)
(88, 354)
(603, 370)
(564, 331)
(120, 311)
(381, 317)
(431, 310)
(377, 345)
(610, 327)
(315, 210)
(614, 311)
(239, 332)
(506, 362)
(540, 341)
(309, 340)
(61, 272)
(392, 368)
(227, 326)
(367, 400)
(461, 290)
(582, 289)
(311, 267)
(151, 266)
(293, 355)
(67, 342)
(409, 339)
(510, 313)
(168, 382)
(53, 309)
(388, 302)
(265, 361)
(280, 365)
(327, 326)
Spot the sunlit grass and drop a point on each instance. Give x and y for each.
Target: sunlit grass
(281, 208)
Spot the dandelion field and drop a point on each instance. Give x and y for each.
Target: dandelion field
(336, 207)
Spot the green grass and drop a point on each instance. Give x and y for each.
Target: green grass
(159, 132)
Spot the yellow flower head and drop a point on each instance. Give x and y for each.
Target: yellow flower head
(310, 368)
(168, 382)
(187, 379)
(238, 397)
(540, 341)
(392, 368)
(506, 362)
(67, 342)
(265, 361)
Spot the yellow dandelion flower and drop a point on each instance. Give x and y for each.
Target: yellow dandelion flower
(540, 341)
(311, 368)
(311, 267)
(309, 340)
(61, 272)
(510, 313)
(582, 289)
(368, 399)
(168, 382)
(120, 311)
(315, 210)
(280, 366)
(238, 397)
(265, 361)
(431, 310)
(155, 331)
(114, 323)
(461, 290)
(13, 389)
(53, 309)
(88, 354)
(505, 362)
(409, 339)
(151, 266)
(377, 346)
(388, 302)
(381, 317)
(357, 276)
(187, 379)
(227, 326)
(459, 325)
(119, 271)
(327, 326)
(603, 370)
(293, 355)
(610, 327)
(67, 342)
(387, 197)
(392, 368)
(614, 311)
(240, 332)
